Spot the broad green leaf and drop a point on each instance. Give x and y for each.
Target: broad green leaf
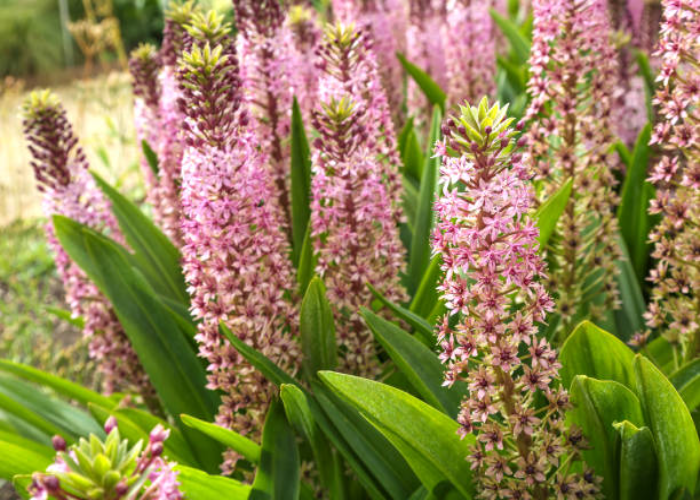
(269, 369)
(72, 421)
(373, 449)
(597, 354)
(660, 351)
(307, 262)
(421, 327)
(27, 444)
(364, 477)
(180, 380)
(9, 405)
(426, 296)
(198, 485)
(300, 416)
(686, 380)
(598, 404)
(151, 157)
(427, 438)
(16, 459)
(436, 96)
(301, 182)
(638, 474)
(623, 152)
(633, 211)
(548, 213)
(250, 450)
(277, 476)
(412, 157)
(317, 330)
(518, 42)
(649, 82)
(60, 385)
(425, 217)
(630, 317)
(419, 364)
(67, 316)
(156, 256)
(515, 74)
(677, 444)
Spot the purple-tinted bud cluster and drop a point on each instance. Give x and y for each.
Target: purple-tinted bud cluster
(68, 189)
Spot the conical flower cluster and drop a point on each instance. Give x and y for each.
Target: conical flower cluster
(109, 469)
(675, 307)
(236, 252)
(68, 189)
(573, 69)
(488, 244)
(355, 189)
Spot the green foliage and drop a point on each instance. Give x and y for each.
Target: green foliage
(436, 96)
(317, 330)
(301, 183)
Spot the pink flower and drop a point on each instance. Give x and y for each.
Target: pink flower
(68, 189)
(489, 251)
(235, 250)
(573, 73)
(355, 190)
(674, 308)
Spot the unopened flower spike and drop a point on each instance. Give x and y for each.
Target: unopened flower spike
(68, 189)
(354, 209)
(235, 255)
(109, 469)
(675, 307)
(495, 299)
(573, 73)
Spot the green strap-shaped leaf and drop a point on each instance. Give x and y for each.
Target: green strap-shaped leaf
(518, 42)
(250, 450)
(630, 317)
(412, 156)
(597, 405)
(198, 485)
(301, 182)
(425, 216)
(373, 449)
(425, 437)
(419, 364)
(686, 380)
(300, 416)
(307, 262)
(426, 296)
(677, 443)
(15, 459)
(548, 213)
(67, 316)
(277, 476)
(60, 385)
(638, 475)
(268, 368)
(436, 96)
(595, 353)
(649, 82)
(633, 211)
(70, 420)
(317, 330)
(169, 360)
(151, 157)
(422, 328)
(155, 255)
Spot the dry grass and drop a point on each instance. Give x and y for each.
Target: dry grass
(101, 113)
